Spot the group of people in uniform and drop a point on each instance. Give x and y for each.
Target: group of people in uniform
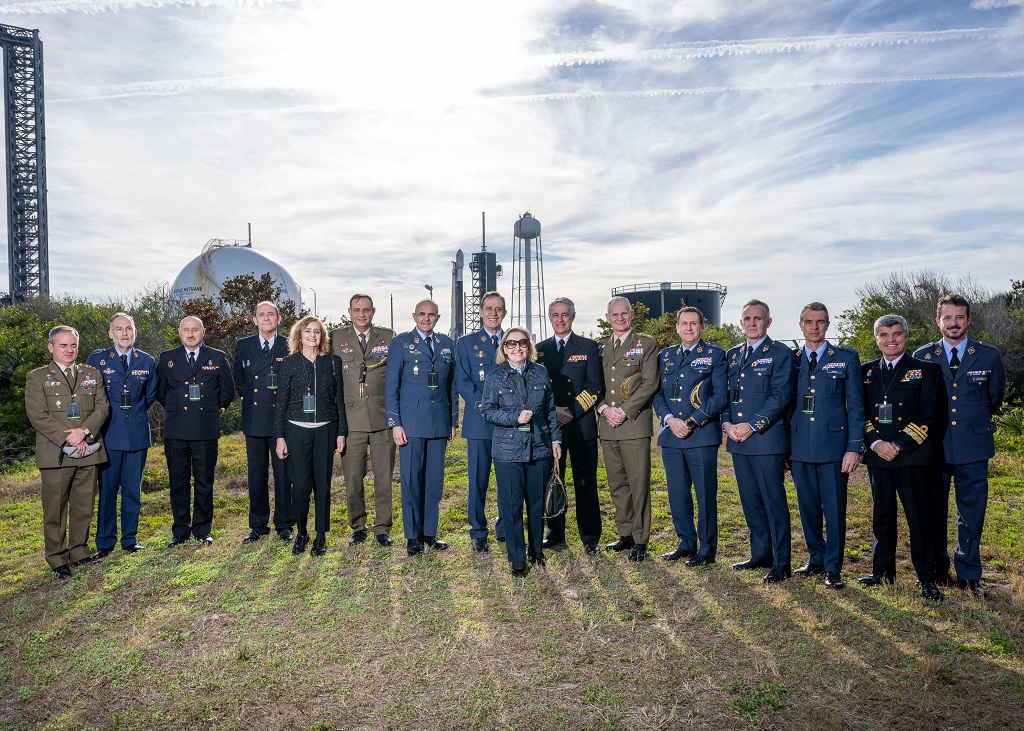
(921, 423)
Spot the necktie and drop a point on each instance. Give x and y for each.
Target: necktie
(266, 349)
(750, 352)
(889, 366)
(686, 353)
(124, 361)
(954, 361)
(192, 361)
(430, 346)
(814, 361)
(362, 342)
(494, 342)
(69, 375)
(561, 344)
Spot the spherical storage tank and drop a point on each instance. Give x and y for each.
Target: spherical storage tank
(221, 260)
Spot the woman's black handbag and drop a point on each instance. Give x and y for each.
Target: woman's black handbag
(555, 499)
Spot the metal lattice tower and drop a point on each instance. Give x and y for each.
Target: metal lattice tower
(28, 254)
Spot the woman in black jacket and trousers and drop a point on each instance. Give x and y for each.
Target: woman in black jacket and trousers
(518, 400)
(309, 422)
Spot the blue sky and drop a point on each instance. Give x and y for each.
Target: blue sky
(789, 150)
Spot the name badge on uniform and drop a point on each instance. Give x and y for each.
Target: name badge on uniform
(885, 413)
(309, 404)
(74, 411)
(126, 399)
(432, 380)
(193, 392)
(809, 404)
(271, 381)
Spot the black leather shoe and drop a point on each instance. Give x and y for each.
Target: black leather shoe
(133, 548)
(550, 542)
(518, 570)
(931, 592)
(754, 562)
(678, 554)
(538, 558)
(62, 572)
(972, 587)
(101, 553)
(592, 549)
(809, 569)
(285, 535)
(480, 545)
(384, 539)
(946, 580)
(176, 542)
(252, 537)
(698, 560)
(358, 537)
(413, 547)
(638, 552)
(833, 580)
(874, 580)
(83, 561)
(435, 544)
(500, 539)
(319, 547)
(777, 574)
(206, 540)
(624, 543)
(300, 544)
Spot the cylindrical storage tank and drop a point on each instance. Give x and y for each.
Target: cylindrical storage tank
(527, 227)
(204, 275)
(662, 297)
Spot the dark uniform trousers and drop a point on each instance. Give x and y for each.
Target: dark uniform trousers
(195, 458)
(260, 455)
(697, 466)
(353, 463)
(583, 457)
(311, 462)
(915, 487)
(520, 482)
(421, 462)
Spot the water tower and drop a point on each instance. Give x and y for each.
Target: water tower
(528, 277)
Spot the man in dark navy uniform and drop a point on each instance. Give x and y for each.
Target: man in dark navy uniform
(975, 379)
(760, 388)
(573, 363)
(903, 405)
(257, 361)
(423, 413)
(474, 359)
(692, 393)
(194, 387)
(129, 377)
(826, 438)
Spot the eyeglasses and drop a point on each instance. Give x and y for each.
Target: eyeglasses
(512, 344)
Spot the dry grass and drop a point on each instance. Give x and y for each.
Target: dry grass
(250, 637)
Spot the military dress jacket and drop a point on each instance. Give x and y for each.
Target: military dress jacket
(363, 375)
(826, 417)
(973, 395)
(691, 385)
(127, 430)
(475, 357)
(633, 368)
(251, 372)
(760, 390)
(423, 412)
(577, 382)
(47, 394)
(914, 390)
(185, 418)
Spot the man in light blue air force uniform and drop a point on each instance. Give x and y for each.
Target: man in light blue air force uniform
(760, 388)
(129, 376)
(975, 383)
(692, 393)
(826, 437)
(423, 412)
(474, 359)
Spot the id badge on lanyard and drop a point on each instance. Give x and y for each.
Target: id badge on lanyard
(885, 413)
(193, 392)
(808, 407)
(74, 411)
(271, 380)
(126, 397)
(432, 380)
(309, 404)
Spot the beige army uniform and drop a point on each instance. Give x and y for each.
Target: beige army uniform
(632, 367)
(69, 487)
(363, 379)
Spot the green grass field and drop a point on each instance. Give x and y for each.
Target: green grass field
(250, 637)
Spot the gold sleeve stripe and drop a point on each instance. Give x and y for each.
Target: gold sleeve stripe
(916, 432)
(586, 400)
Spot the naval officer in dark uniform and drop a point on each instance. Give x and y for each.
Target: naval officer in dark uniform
(760, 388)
(691, 396)
(257, 367)
(423, 413)
(573, 363)
(129, 377)
(975, 379)
(826, 438)
(903, 405)
(194, 387)
(475, 355)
